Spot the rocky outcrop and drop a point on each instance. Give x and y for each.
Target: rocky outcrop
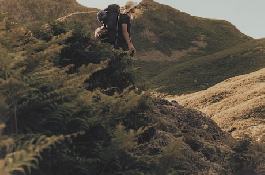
(203, 142)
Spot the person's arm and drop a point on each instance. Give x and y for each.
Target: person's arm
(127, 38)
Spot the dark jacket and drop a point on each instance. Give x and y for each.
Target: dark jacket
(124, 19)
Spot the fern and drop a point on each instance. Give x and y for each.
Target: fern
(5, 144)
(28, 154)
(260, 169)
(171, 156)
(134, 102)
(125, 140)
(119, 151)
(65, 82)
(14, 90)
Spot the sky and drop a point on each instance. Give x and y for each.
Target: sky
(247, 15)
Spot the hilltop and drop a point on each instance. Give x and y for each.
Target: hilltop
(237, 104)
(165, 30)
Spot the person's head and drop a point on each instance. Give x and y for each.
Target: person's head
(130, 6)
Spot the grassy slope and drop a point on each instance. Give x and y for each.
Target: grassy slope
(237, 103)
(40, 10)
(163, 28)
(159, 27)
(198, 52)
(187, 75)
(166, 30)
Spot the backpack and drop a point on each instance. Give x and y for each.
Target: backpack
(109, 18)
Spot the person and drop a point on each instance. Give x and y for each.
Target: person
(124, 30)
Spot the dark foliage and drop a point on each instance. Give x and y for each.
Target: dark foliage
(70, 106)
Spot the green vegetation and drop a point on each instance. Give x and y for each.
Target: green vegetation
(165, 29)
(70, 104)
(214, 57)
(215, 50)
(41, 11)
(189, 74)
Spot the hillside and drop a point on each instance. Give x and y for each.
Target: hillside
(236, 104)
(187, 75)
(46, 10)
(165, 30)
(69, 104)
(161, 28)
(177, 53)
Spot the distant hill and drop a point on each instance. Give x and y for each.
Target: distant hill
(157, 27)
(236, 104)
(179, 53)
(173, 33)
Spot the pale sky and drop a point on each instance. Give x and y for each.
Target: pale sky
(247, 15)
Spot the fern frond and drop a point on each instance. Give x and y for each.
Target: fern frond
(125, 140)
(29, 154)
(260, 169)
(5, 141)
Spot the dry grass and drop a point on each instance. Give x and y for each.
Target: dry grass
(236, 104)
